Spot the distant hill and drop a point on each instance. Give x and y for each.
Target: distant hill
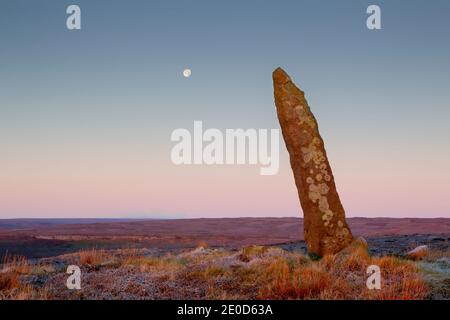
(21, 224)
(280, 229)
(37, 238)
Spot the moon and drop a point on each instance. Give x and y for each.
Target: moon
(187, 73)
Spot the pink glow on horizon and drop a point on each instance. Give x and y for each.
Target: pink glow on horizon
(126, 187)
(212, 192)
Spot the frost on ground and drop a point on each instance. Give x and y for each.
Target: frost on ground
(255, 272)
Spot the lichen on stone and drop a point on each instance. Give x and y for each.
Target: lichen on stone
(323, 204)
(303, 116)
(308, 153)
(324, 215)
(327, 216)
(323, 188)
(314, 195)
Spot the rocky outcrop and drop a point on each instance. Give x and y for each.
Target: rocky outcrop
(326, 230)
(418, 253)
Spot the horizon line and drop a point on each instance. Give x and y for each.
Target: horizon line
(198, 218)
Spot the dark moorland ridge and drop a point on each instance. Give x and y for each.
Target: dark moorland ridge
(18, 224)
(255, 228)
(49, 237)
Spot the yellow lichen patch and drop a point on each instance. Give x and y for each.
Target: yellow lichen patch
(323, 175)
(327, 217)
(314, 196)
(342, 233)
(323, 188)
(313, 153)
(323, 204)
(317, 193)
(303, 116)
(308, 153)
(318, 158)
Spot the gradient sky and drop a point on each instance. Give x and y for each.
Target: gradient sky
(86, 116)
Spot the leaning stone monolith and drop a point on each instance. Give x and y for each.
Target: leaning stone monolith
(326, 230)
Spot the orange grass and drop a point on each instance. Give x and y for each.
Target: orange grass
(92, 257)
(254, 272)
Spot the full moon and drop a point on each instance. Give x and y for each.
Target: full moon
(187, 73)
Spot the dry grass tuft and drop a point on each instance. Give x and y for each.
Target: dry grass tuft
(203, 244)
(16, 264)
(251, 252)
(354, 258)
(8, 281)
(343, 276)
(92, 257)
(254, 272)
(401, 280)
(11, 285)
(286, 283)
(12, 268)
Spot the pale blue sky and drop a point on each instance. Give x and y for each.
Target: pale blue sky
(114, 89)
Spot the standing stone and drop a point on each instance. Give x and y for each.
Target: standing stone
(326, 231)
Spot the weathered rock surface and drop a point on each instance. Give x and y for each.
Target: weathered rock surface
(418, 253)
(325, 227)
